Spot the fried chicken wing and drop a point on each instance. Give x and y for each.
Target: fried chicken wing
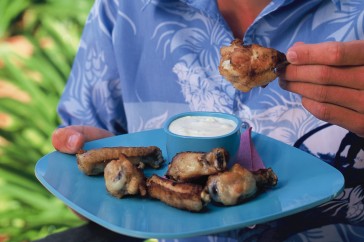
(238, 184)
(123, 178)
(249, 66)
(189, 166)
(93, 162)
(187, 196)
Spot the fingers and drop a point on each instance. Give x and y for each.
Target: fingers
(328, 53)
(326, 75)
(91, 133)
(72, 138)
(333, 104)
(330, 78)
(341, 96)
(338, 115)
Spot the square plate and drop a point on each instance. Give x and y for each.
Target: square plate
(304, 181)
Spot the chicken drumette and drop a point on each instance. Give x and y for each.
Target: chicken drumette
(123, 178)
(239, 184)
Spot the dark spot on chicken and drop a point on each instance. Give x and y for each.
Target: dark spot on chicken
(213, 192)
(221, 160)
(118, 176)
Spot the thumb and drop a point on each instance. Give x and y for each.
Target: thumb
(72, 138)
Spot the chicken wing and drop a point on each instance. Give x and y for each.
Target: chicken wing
(238, 184)
(123, 178)
(249, 66)
(187, 196)
(93, 162)
(189, 166)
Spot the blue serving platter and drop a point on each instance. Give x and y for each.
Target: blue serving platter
(304, 182)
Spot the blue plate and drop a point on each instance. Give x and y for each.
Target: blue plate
(304, 182)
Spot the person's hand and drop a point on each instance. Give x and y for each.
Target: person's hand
(71, 138)
(330, 78)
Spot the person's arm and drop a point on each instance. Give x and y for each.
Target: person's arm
(330, 78)
(92, 95)
(91, 105)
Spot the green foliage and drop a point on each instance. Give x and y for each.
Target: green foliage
(38, 42)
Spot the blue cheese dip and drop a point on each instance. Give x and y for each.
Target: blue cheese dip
(202, 126)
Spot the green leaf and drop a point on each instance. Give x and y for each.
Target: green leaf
(9, 11)
(53, 28)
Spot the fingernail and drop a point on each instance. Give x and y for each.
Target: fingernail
(72, 140)
(291, 56)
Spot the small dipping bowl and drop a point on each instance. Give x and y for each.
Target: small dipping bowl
(194, 135)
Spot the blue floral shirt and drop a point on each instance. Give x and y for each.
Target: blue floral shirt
(141, 61)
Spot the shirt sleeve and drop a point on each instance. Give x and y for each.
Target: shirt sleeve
(92, 95)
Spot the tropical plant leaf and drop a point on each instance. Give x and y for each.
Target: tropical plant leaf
(38, 42)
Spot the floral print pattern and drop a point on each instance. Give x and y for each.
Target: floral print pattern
(141, 61)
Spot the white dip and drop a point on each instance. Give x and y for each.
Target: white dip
(202, 126)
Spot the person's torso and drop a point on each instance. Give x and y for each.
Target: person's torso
(167, 56)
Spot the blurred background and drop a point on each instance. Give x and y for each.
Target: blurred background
(38, 42)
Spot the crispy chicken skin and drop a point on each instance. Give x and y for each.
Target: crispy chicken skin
(123, 178)
(249, 66)
(93, 162)
(192, 180)
(187, 196)
(265, 178)
(238, 184)
(189, 166)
